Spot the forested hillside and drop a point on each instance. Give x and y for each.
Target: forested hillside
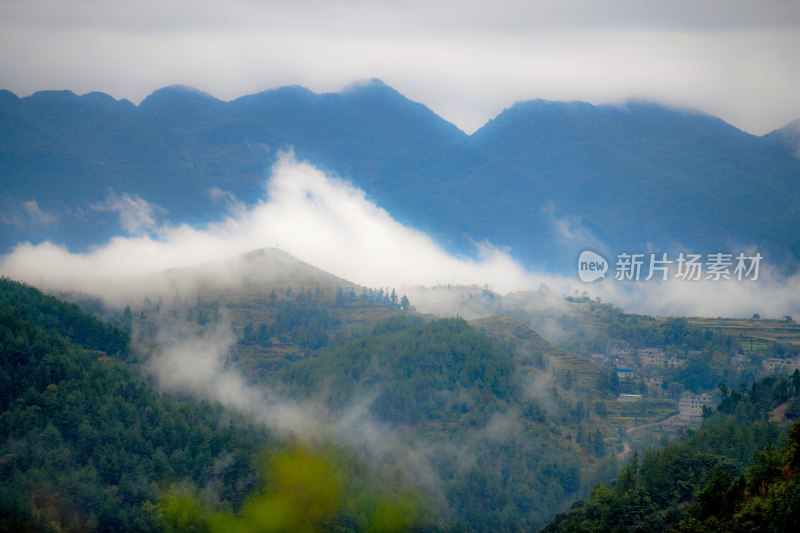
(85, 443)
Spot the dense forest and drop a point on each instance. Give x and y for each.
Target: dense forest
(86, 442)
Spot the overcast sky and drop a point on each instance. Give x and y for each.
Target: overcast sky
(467, 60)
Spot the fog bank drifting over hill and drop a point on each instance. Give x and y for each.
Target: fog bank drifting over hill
(332, 225)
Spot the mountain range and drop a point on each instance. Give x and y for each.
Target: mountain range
(542, 179)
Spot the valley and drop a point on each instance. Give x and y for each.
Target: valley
(485, 421)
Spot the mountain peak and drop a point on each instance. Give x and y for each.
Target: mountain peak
(372, 88)
(787, 136)
(99, 98)
(369, 84)
(7, 97)
(176, 93)
(289, 94)
(53, 95)
(253, 272)
(571, 116)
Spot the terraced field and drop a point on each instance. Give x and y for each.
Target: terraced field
(755, 336)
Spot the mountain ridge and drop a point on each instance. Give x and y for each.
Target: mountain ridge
(624, 175)
(356, 87)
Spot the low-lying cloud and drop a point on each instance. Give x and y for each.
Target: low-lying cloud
(186, 358)
(332, 225)
(318, 219)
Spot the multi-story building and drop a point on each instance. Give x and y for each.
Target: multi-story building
(690, 408)
(774, 365)
(652, 356)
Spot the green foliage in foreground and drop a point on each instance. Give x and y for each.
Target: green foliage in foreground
(306, 490)
(727, 476)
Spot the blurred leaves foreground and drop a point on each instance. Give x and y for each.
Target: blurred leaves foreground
(304, 489)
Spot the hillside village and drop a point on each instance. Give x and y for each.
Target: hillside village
(645, 373)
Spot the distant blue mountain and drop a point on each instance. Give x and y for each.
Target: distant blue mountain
(642, 173)
(543, 178)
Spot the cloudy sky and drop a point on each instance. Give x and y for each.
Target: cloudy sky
(467, 60)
